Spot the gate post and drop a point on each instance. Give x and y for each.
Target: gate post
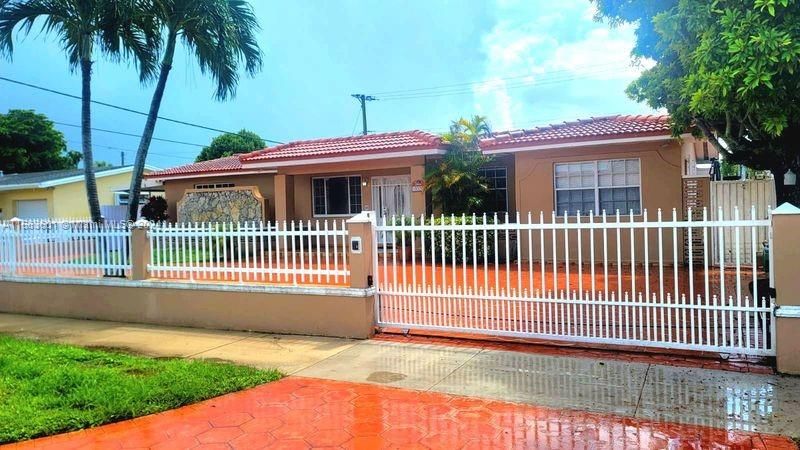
(785, 259)
(360, 249)
(140, 249)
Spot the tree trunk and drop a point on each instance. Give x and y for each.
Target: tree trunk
(149, 128)
(86, 135)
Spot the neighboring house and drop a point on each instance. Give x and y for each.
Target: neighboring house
(62, 193)
(625, 162)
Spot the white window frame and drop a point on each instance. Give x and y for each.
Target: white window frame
(597, 211)
(505, 171)
(349, 204)
(214, 185)
(119, 202)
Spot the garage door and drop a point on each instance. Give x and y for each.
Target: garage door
(32, 209)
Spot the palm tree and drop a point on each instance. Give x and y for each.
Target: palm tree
(82, 26)
(221, 34)
(454, 182)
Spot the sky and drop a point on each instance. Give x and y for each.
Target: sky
(520, 63)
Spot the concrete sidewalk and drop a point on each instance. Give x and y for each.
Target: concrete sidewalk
(740, 401)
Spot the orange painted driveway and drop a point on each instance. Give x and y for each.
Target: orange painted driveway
(311, 413)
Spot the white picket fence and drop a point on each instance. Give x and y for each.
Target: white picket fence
(295, 252)
(64, 248)
(588, 278)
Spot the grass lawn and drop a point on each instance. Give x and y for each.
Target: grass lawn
(52, 388)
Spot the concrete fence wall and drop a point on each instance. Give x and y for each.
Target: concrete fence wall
(324, 311)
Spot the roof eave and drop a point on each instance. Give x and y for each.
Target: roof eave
(556, 144)
(348, 157)
(219, 173)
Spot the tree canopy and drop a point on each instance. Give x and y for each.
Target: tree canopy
(219, 35)
(454, 182)
(728, 67)
(230, 144)
(30, 143)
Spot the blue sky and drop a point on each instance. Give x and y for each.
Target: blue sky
(519, 62)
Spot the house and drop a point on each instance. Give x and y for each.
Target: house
(62, 193)
(615, 162)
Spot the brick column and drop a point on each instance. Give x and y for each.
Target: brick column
(140, 250)
(360, 251)
(785, 259)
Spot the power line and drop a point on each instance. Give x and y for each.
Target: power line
(122, 133)
(487, 81)
(122, 108)
(128, 150)
(534, 83)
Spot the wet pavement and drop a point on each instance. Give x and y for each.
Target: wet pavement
(722, 399)
(572, 401)
(305, 413)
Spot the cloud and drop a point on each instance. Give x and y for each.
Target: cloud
(561, 58)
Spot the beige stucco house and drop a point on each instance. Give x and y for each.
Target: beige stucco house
(617, 162)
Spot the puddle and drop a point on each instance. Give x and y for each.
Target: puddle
(385, 377)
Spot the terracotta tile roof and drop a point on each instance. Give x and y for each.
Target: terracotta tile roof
(351, 145)
(582, 130)
(226, 164)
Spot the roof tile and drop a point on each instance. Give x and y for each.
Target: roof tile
(226, 164)
(582, 130)
(356, 145)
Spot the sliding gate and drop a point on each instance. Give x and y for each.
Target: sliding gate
(608, 279)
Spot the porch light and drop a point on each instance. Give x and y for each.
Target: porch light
(364, 183)
(789, 178)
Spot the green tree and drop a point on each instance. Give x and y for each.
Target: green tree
(85, 28)
(220, 34)
(30, 143)
(454, 182)
(230, 144)
(729, 67)
(102, 165)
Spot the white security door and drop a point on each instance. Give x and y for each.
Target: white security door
(32, 209)
(391, 196)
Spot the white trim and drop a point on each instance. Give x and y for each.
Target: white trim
(786, 209)
(597, 187)
(580, 144)
(212, 174)
(72, 179)
(198, 285)
(305, 162)
(16, 187)
(788, 311)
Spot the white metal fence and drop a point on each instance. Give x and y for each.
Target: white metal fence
(753, 198)
(594, 278)
(294, 252)
(69, 248)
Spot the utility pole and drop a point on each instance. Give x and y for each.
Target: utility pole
(122, 158)
(363, 99)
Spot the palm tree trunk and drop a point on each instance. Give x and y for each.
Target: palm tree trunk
(86, 135)
(149, 127)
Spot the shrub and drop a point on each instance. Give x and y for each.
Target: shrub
(451, 241)
(155, 210)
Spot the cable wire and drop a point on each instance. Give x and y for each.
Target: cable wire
(122, 108)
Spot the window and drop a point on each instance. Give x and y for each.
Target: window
(497, 179)
(214, 185)
(122, 198)
(608, 185)
(336, 195)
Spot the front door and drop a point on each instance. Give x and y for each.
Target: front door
(391, 197)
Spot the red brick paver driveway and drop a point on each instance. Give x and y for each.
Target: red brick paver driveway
(310, 413)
